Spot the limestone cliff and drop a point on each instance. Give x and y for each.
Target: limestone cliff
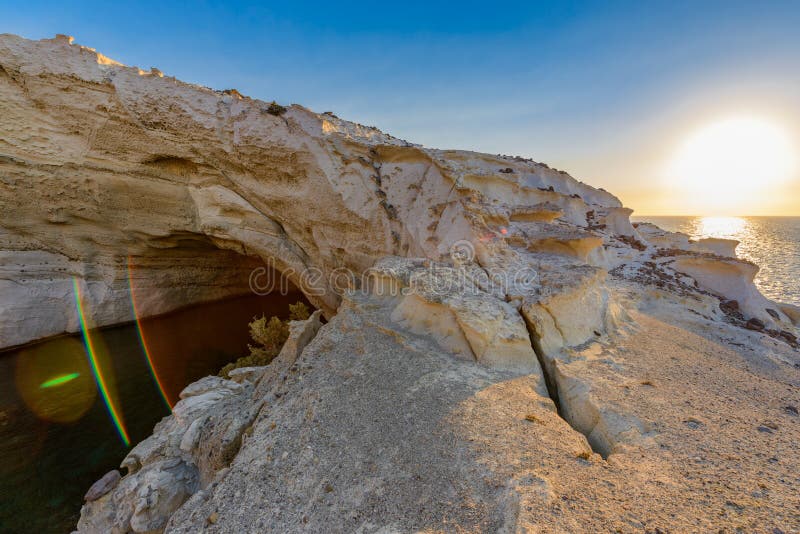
(105, 166)
(505, 351)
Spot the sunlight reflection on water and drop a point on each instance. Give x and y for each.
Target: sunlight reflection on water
(772, 243)
(725, 227)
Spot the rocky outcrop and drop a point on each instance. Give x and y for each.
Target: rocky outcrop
(118, 177)
(731, 278)
(376, 427)
(481, 370)
(458, 306)
(192, 448)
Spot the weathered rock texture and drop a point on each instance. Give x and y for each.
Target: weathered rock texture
(104, 166)
(481, 370)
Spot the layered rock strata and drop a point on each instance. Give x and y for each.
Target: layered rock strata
(505, 351)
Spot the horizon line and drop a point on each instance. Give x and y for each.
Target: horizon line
(696, 215)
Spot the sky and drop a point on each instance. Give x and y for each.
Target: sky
(609, 91)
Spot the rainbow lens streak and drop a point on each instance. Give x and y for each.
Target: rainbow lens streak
(142, 340)
(98, 375)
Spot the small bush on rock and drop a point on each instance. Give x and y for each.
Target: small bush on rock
(298, 312)
(269, 335)
(276, 109)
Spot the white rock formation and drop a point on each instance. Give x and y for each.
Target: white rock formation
(478, 352)
(109, 169)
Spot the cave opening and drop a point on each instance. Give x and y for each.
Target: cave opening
(73, 405)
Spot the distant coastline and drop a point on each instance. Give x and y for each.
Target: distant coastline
(771, 242)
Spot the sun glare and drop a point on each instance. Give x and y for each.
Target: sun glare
(724, 166)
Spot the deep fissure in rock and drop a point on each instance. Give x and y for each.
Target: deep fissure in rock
(549, 380)
(552, 384)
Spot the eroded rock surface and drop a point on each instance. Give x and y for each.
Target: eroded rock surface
(505, 350)
(377, 428)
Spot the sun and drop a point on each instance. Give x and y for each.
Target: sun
(726, 165)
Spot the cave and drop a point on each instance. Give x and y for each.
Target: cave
(156, 321)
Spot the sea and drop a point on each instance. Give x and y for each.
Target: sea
(772, 243)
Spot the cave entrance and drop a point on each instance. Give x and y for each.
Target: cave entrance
(59, 432)
(192, 305)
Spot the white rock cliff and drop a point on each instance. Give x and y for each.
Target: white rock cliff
(505, 351)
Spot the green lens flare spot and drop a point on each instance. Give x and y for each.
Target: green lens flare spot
(59, 380)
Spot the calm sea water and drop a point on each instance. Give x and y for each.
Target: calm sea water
(773, 243)
(56, 434)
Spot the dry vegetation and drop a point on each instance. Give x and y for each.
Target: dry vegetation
(269, 335)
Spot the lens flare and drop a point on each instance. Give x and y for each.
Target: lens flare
(55, 381)
(142, 339)
(59, 380)
(102, 383)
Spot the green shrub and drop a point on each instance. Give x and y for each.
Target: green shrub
(269, 335)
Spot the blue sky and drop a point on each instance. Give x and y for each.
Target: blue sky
(601, 89)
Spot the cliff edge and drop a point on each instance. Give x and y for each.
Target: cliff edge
(504, 351)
